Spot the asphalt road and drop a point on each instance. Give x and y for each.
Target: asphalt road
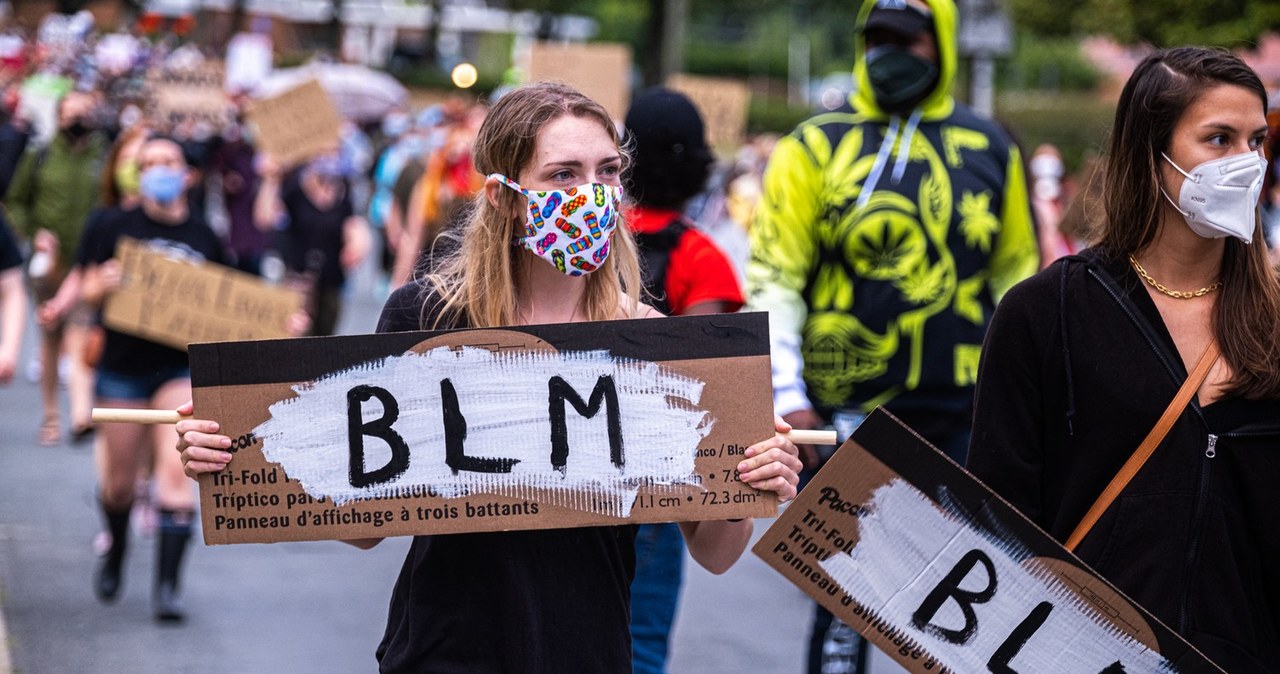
(304, 607)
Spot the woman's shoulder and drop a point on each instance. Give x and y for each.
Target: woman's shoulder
(402, 311)
(646, 311)
(641, 310)
(105, 226)
(1050, 283)
(416, 305)
(107, 217)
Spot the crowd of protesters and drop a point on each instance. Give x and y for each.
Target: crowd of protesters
(389, 190)
(85, 159)
(94, 164)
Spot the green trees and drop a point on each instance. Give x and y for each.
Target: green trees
(1225, 23)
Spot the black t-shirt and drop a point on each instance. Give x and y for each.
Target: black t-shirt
(547, 601)
(10, 255)
(191, 239)
(312, 239)
(98, 222)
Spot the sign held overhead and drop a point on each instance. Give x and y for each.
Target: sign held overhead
(297, 124)
(723, 104)
(601, 71)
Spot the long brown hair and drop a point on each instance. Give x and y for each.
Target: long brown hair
(1246, 317)
(112, 195)
(478, 280)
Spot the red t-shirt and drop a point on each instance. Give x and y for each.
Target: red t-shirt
(698, 271)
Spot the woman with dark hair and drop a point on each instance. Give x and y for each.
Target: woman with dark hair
(1082, 359)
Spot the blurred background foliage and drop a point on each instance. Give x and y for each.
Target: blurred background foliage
(1046, 74)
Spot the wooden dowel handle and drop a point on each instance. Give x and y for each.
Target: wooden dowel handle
(803, 437)
(136, 416)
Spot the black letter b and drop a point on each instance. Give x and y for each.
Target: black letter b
(378, 428)
(949, 588)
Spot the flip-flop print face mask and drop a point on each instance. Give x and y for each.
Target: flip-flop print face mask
(569, 228)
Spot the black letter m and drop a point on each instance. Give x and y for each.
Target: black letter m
(605, 391)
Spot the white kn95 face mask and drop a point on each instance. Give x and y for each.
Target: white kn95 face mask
(1219, 198)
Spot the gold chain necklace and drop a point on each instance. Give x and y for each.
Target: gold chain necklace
(1180, 294)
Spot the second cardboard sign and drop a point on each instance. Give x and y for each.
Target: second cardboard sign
(910, 550)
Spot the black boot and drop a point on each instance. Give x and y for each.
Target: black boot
(107, 581)
(175, 531)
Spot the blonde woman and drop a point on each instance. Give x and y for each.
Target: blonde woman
(528, 601)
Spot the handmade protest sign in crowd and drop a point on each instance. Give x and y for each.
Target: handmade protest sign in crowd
(542, 426)
(177, 302)
(195, 93)
(722, 102)
(296, 124)
(605, 81)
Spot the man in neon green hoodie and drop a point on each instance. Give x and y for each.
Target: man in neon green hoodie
(886, 233)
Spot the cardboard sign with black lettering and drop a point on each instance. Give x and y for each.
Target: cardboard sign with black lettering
(173, 301)
(195, 94)
(929, 565)
(297, 124)
(535, 427)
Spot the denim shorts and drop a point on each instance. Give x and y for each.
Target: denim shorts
(120, 386)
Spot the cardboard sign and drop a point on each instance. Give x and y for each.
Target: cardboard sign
(601, 71)
(193, 94)
(176, 302)
(536, 427)
(296, 125)
(722, 103)
(941, 574)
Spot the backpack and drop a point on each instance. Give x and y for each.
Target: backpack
(655, 258)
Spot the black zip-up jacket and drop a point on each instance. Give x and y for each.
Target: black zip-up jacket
(1076, 369)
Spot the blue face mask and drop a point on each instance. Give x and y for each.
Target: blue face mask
(162, 184)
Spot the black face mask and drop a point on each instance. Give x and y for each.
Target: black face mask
(899, 79)
(78, 129)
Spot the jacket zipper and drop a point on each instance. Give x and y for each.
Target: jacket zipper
(1211, 451)
(1206, 465)
(1197, 519)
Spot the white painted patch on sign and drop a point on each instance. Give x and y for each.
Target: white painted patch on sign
(907, 548)
(507, 406)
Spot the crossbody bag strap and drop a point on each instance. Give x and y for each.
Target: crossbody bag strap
(1148, 446)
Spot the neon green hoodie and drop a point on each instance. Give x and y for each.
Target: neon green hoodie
(882, 244)
(938, 104)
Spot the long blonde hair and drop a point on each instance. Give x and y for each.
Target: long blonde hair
(477, 280)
